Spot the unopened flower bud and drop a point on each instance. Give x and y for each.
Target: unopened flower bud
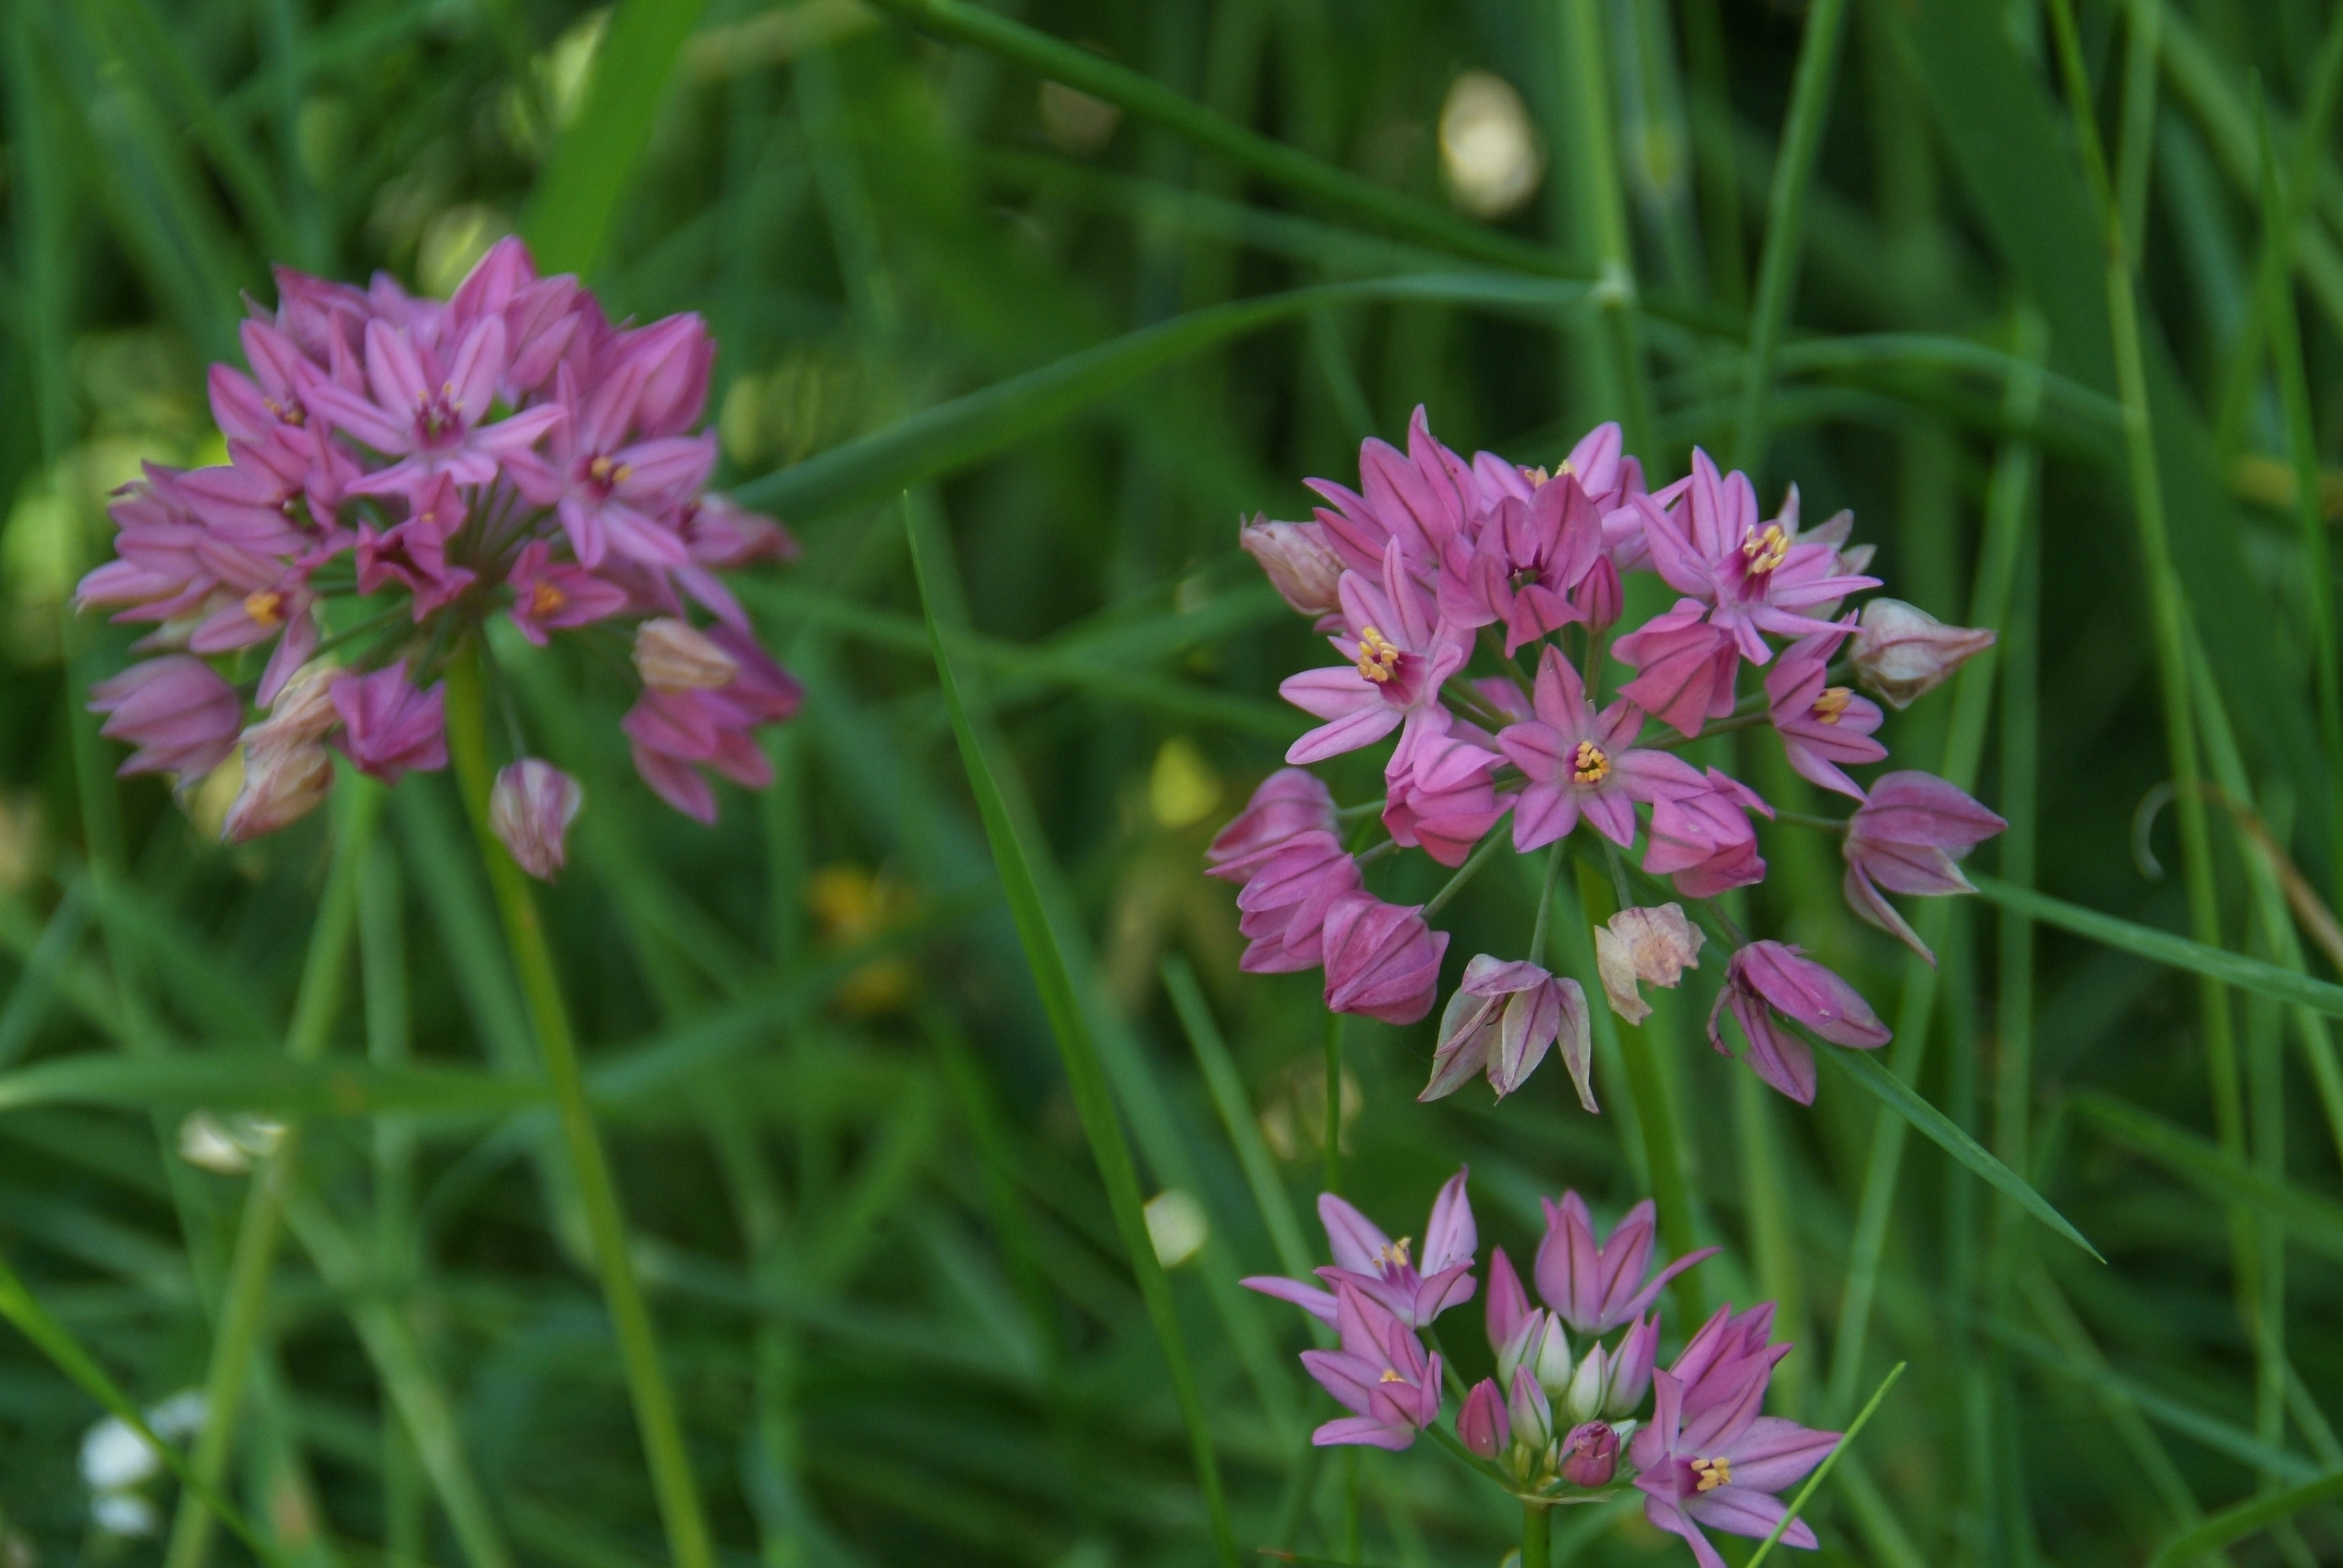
(1583, 1397)
(672, 655)
(1590, 1454)
(1483, 1426)
(287, 767)
(1531, 1414)
(1297, 561)
(1902, 652)
(1549, 1360)
(1630, 1367)
(531, 808)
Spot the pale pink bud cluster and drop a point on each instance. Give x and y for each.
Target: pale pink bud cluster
(511, 452)
(1475, 609)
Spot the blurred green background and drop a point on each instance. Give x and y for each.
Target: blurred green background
(943, 251)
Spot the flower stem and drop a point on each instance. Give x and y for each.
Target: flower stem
(1537, 1536)
(1545, 903)
(1332, 1125)
(532, 955)
(1807, 820)
(1497, 840)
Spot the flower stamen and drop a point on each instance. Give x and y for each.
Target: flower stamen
(1712, 1473)
(266, 606)
(1378, 656)
(1832, 703)
(1764, 551)
(1589, 764)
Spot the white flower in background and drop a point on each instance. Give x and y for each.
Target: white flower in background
(116, 1463)
(1488, 148)
(227, 1144)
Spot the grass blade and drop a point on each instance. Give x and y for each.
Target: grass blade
(1822, 1472)
(1038, 906)
(1934, 1125)
(2235, 1523)
(2163, 947)
(2317, 1223)
(1269, 1193)
(569, 214)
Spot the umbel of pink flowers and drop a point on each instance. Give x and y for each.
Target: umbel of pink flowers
(400, 470)
(1558, 1422)
(1475, 607)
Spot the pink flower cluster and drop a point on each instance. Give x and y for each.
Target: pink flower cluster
(1553, 1425)
(1475, 608)
(510, 451)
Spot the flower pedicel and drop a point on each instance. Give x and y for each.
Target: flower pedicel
(1436, 570)
(509, 452)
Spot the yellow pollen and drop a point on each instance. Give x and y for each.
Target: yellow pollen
(600, 471)
(266, 606)
(1567, 468)
(1390, 1376)
(1394, 1254)
(545, 600)
(1378, 659)
(1540, 476)
(1832, 703)
(1588, 765)
(1712, 1473)
(1764, 551)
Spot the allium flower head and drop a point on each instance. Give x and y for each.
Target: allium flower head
(506, 452)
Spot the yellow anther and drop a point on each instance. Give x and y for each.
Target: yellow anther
(600, 471)
(1567, 468)
(266, 606)
(1712, 1473)
(1589, 764)
(1764, 551)
(1378, 659)
(1394, 1255)
(1832, 703)
(1390, 1376)
(545, 600)
(1540, 476)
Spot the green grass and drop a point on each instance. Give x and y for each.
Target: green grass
(869, 1083)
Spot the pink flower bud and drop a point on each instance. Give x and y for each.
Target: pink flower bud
(1650, 945)
(673, 654)
(1507, 1304)
(387, 726)
(1630, 1367)
(1482, 1425)
(1902, 652)
(1590, 1454)
(178, 712)
(1905, 838)
(1766, 980)
(1297, 561)
(1531, 1414)
(531, 808)
(1289, 802)
(1380, 958)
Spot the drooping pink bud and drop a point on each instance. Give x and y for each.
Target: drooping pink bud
(1652, 945)
(1299, 563)
(1501, 1021)
(531, 808)
(1905, 838)
(1482, 1425)
(1902, 652)
(1380, 958)
(1289, 802)
(1767, 978)
(387, 726)
(1438, 794)
(177, 713)
(1590, 1454)
(1282, 910)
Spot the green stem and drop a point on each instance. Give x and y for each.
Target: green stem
(243, 1306)
(1777, 265)
(1500, 837)
(1605, 219)
(1333, 1126)
(1537, 1536)
(655, 1413)
(1545, 903)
